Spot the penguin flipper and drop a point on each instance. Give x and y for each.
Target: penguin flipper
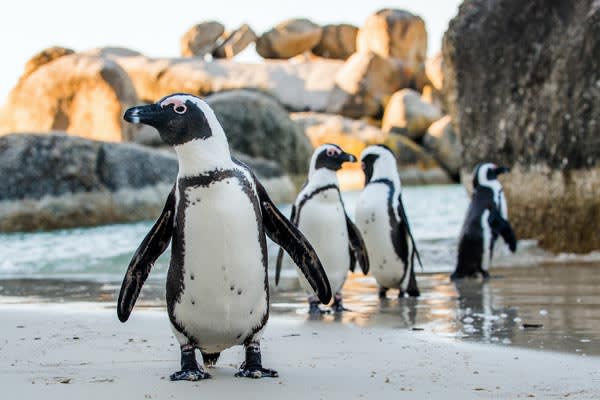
(358, 249)
(502, 226)
(402, 214)
(285, 234)
(153, 245)
(280, 253)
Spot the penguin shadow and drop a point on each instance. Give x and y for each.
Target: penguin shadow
(479, 315)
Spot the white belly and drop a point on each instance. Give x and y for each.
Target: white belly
(372, 219)
(224, 277)
(323, 221)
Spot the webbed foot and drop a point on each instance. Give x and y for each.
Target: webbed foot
(190, 375)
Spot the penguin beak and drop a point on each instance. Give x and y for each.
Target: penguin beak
(347, 157)
(501, 170)
(149, 114)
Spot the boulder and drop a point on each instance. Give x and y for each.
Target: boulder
(201, 39)
(257, 125)
(408, 114)
(112, 52)
(82, 95)
(44, 57)
(289, 38)
(393, 33)
(444, 144)
(235, 42)
(534, 107)
(301, 86)
(364, 84)
(434, 71)
(337, 41)
(58, 181)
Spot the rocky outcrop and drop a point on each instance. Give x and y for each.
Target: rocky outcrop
(257, 125)
(302, 86)
(44, 57)
(444, 144)
(57, 181)
(407, 114)
(434, 71)
(288, 39)
(235, 42)
(364, 83)
(201, 39)
(533, 107)
(337, 41)
(82, 95)
(392, 33)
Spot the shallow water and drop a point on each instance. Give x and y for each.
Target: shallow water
(558, 292)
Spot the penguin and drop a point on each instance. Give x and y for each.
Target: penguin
(486, 219)
(320, 214)
(382, 220)
(215, 219)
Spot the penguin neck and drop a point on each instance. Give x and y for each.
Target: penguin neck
(391, 176)
(318, 177)
(201, 156)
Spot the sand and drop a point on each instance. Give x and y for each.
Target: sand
(81, 351)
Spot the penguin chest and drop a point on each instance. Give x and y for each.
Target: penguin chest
(322, 220)
(375, 218)
(223, 297)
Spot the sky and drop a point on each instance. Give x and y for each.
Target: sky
(154, 27)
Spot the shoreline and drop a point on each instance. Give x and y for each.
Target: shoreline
(83, 351)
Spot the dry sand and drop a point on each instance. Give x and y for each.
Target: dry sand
(81, 351)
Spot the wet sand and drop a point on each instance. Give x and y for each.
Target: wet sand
(81, 351)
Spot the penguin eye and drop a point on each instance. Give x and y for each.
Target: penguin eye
(180, 108)
(331, 152)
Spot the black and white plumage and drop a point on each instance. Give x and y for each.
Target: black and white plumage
(216, 218)
(320, 214)
(486, 219)
(382, 220)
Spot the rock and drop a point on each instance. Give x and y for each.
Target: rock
(444, 144)
(533, 107)
(415, 164)
(302, 86)
(57, 181)
(434, 71)
(79, 94)
(407, 114)
(201, 39)
(112, 52)
(434, 97)
(235, 42)
(364, 84)
(44, 57)
(393, 33)
(289, 38)
(337, 41)
(257, 125)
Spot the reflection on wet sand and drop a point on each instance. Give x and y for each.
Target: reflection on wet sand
(546, 307)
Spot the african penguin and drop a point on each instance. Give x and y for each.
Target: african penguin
(486, 219)
(381, 218)
(215, 218)
(320, 215)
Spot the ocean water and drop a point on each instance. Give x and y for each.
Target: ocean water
(103, 253)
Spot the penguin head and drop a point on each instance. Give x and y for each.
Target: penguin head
(486, 174)
(179, 118)
(379, 161)
(330, 157)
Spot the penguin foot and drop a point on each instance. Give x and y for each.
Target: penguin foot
(337, 305)
(313, 307)
(382, 293)
(190, 375)
(255, 372)
(413, 292)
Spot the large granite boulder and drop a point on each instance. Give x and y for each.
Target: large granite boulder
(80, 94)
(393, 33)
(301, 86)
(434, 71)
(257, 125)
(444, 144)
(59, 181)
(364, 84)
(288, 39)
(337, 41)
(523, 85)
(44, 57)
(235, 42)
(408, 114)
(201, 39)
